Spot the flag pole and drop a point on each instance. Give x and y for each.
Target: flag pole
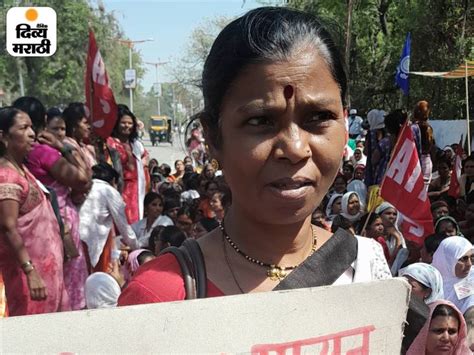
(467, 110)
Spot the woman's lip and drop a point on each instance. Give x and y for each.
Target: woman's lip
(290, 194)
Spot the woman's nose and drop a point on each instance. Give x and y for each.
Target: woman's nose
(293, 144)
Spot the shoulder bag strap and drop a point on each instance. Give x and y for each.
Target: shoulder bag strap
(185, 265)
(326, 264)
(191, 246)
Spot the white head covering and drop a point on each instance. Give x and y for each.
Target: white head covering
(329, 213)
(101, 291)
(345, 203)
(445, 258)
(376, 119)
(359, 187)
(429, 276)
(383, 206)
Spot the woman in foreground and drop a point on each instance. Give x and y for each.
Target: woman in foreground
(274, 89)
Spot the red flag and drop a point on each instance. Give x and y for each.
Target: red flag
(454, 188)
(100, 99)
(404, 188)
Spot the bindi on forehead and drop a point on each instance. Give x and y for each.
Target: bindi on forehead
(288, 91)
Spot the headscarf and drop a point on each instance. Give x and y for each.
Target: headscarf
(345, 203)
(451, 219)
(384, 206)
(329, 213)
(419, 344)
(445, 258)
(101, 291)
(362, 160)
(132, 260)
(427, 275)
(376, 119)
(359, 187)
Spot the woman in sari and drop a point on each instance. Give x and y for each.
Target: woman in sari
(62, 170)
(31, 255)
(274, 89)
(133, 157)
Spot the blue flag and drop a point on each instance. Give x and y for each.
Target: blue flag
(403, 69)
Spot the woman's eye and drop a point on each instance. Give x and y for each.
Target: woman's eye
(259, 121)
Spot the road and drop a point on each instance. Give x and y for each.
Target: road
(165, 152)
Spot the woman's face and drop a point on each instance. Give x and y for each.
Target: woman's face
(154, 209)
(188, 161)
(469, 168)
(359, 174)
(209, 171)
(57, 126)
(447, 227)
(417, 288)
(442, 335)
(353, 206)
(376, 229)
(389, 217)
(336, 206)
(357, 155)
(82, 130)
(443, 170)
(211, 189)
(347, 171)
(464, 264)
(340, 185)
(185, 223)
(125, 127)
(179, 166)
(20, 137)
(216, 202)
(283, 134)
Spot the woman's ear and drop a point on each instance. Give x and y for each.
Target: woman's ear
(427, 293)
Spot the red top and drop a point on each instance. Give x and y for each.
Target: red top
(159, 280)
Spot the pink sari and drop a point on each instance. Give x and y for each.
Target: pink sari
(38, 227)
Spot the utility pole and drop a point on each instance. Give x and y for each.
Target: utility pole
(156, 65)
(129, 44)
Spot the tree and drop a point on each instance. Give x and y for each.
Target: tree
(59, 79)
(442, 37)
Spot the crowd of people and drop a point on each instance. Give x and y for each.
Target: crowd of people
(83, 219)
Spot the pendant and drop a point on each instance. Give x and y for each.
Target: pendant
(275, 273)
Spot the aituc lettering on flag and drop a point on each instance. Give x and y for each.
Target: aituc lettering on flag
(404, 188)
(100, 99)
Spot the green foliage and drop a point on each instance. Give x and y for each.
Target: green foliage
(59, 79)
(442, 37)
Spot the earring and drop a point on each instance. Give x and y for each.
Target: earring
(215, 164)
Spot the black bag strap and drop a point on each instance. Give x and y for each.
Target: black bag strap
(325, 265)
(193, 268)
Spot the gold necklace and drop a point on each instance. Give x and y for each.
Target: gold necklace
(274, 272)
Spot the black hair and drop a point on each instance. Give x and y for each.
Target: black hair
(53, 112)
(165, 169)
(152, 196)
(394, 121)
(340, 222)
(433, 241)
(445, 310)
(34, 108)
(73, 114)
(172, 235)
(143, 255)
(189, 211)
(7, 120)
(191, 181)
(209, 224)
(105, 172)
(171, 202)
(265, 34)
(123, 110)
(362, 222)
(155, 237)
